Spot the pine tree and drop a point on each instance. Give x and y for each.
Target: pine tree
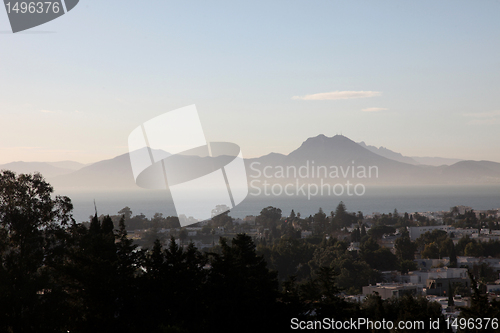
(238, 274)
(451, 301)
(95, 226)
(363, 230)
(480, 306)
(453, 256)
(128, 261)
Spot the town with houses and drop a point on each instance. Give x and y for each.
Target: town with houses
(433, 276)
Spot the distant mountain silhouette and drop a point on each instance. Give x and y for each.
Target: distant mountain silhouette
(106, 174)
(382, 151)
(435, 161)
(46, 169)
(342, 154)
(112, 173)
(473, 171)
(415, 160)
(72, 165)
(338, 153)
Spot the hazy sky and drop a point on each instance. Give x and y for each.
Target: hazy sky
(421, 78)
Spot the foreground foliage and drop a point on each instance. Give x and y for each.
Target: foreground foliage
(60, 276)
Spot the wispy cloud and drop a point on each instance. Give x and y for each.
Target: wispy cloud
(47, 111)
(480, 118)
(334, 95)
(374, 109)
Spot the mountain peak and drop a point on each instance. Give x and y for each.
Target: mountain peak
(325, 140)
(322, 146)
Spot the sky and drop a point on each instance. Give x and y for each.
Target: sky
(419, 77)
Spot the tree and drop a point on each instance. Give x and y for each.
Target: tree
(171, 287)
(126, 212)
(342, 218)
(220, 209)
(288, 257)
(222, 220)
(32, 225)
(152, 234)
(474, 249)
(183, 234)
(355, 235)
(384, 260)
(321, 221)
(377, 257)
(411, 308)
(462, 243)
(354, 274)
(363, 231)
(405, 248)
(480, 307)
(237, 274)
(431, 251)
(90, 275)
(326, 280)
(406, 266)
(380, 230)
(268, 217)
(446, 247)
(451, 301)
(453, 256)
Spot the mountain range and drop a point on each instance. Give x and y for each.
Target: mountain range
(47, 169)
(337, 153)
(415, 160)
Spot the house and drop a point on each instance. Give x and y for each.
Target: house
(388, 290)
(434, 273)
(493, 288)
(441, 286)
(416, 232)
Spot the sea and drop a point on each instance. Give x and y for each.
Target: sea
(376, 199)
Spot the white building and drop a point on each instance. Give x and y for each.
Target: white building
(494, 263)
(435, 273)
(388, 290)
